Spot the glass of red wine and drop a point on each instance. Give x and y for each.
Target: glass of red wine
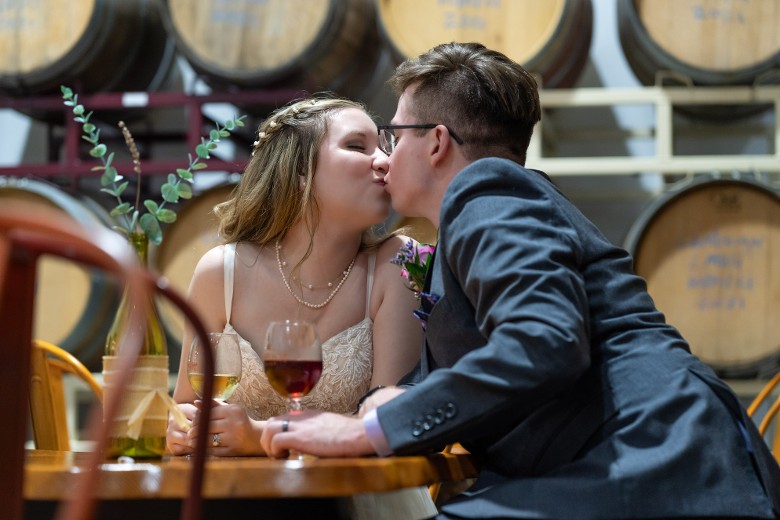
(293, 359)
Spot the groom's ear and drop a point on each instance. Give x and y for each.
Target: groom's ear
(440, 146)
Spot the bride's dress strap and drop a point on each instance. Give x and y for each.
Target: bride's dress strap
(370, 280)
(229, 262)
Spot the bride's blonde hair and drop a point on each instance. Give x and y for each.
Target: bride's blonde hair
(268, 200)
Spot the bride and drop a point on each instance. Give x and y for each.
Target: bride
(299, 245)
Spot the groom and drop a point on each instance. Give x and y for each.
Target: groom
(544, 354)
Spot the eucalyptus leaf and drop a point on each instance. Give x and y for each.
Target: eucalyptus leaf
(199, 166)
(121, 209)
(202, 151)
(151, 206)
(185, 191)
(214, 135)
(166, 215)
(169, 193)
(121, 188)
(151, 228)
(184, 174)
(98, 151)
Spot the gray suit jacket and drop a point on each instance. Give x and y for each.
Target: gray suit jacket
(545, 356)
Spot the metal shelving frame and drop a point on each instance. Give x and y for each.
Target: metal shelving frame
(73, 163)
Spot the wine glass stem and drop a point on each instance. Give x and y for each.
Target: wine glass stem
(295, 407)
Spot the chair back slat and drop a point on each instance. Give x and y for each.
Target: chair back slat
(771, 414)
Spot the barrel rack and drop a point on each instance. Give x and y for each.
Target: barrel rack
(73, 164)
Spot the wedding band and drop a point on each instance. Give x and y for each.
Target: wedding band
(285, 425)
(215, 440)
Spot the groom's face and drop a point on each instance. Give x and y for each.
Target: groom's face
(408, 176)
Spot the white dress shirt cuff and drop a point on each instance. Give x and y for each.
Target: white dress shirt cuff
(375, 434)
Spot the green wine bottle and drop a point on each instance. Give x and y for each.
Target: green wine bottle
(138, 430)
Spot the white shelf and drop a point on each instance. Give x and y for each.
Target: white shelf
(664, 160)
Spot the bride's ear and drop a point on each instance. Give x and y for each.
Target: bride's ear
(302, 182)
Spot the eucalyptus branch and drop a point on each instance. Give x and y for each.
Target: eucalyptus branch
(176, 187)
(110, 176)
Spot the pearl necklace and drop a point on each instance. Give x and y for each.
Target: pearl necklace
(300, 300)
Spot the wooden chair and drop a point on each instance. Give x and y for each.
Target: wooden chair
(28, 231)
(770, 415)
(48, 409)
(443, 491)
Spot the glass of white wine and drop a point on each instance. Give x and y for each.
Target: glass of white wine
(227, 364)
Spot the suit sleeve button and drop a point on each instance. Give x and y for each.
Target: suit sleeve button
(417, 429)
(450, 411)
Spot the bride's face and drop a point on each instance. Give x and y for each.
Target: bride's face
(349, 177)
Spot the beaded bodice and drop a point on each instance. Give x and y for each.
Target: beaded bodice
(347, 360)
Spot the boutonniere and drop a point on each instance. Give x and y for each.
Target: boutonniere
(414, 260)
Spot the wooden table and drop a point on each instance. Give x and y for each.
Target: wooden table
(49, 477)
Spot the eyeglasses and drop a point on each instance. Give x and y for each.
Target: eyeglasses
(387, 139)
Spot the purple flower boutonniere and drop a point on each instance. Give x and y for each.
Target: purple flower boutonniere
(414, 261)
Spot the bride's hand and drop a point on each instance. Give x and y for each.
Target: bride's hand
(176, 438)
(231, 432)
(379, 398)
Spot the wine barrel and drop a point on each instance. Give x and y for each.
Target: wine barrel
(702, 43)
(185, 241)
(74, 305)
(297, 44)
(89, 45)
(709, 254)
(548, 37)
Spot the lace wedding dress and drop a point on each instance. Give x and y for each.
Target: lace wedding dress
(347, 363)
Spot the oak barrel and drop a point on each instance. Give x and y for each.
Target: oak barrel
(548, 37)
(89, 45)
(702, 43)
(709, 254)
(300, 44)
(185, 241)
(74, 306)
